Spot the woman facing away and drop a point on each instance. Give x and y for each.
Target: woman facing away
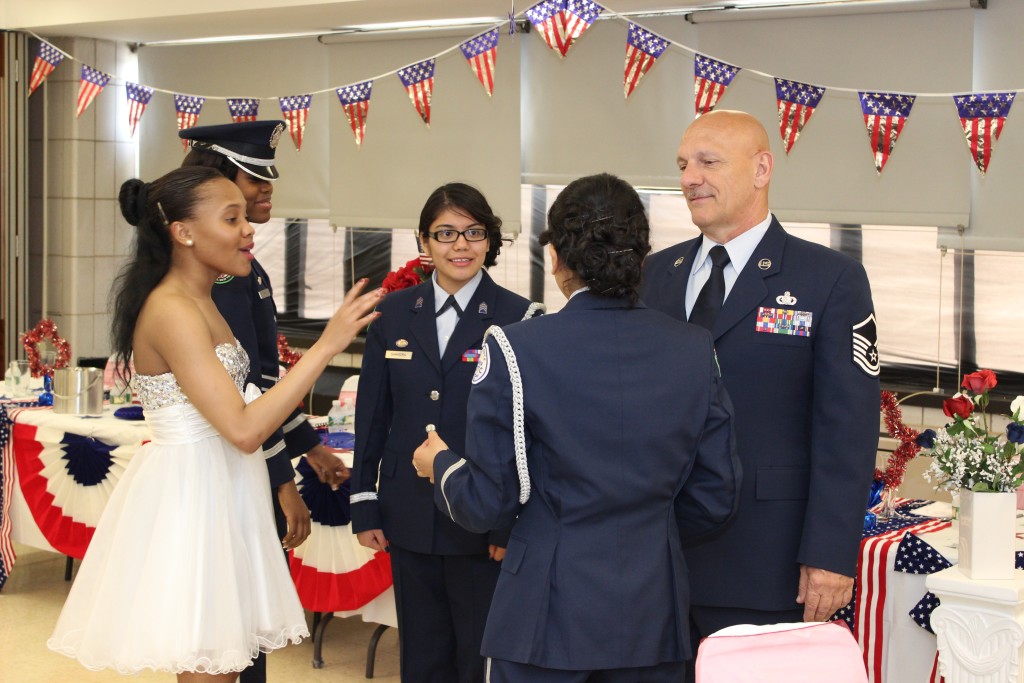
(604, 435)
(184, 572)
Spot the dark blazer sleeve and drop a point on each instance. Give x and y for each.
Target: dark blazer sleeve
(711, 495)
(373, 420)
(299, 435)
(845, 427)
(481, 491)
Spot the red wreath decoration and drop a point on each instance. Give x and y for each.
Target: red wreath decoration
(411, 274)
(288, 356)
(45, 329)
(896, 467)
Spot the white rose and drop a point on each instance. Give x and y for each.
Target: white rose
(1017, 407)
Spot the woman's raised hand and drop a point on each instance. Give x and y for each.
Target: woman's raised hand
(355, 313)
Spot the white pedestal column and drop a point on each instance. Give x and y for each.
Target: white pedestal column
(980, 627)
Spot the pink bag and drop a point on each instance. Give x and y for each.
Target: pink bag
(790, 653)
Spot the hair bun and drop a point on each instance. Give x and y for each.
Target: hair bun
(132, 200)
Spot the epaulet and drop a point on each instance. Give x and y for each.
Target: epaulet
(533, 309)
(518, 413)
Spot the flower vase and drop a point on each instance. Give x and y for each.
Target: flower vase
(887, 512)
(987, 535)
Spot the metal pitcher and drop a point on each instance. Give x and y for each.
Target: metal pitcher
(78, 391)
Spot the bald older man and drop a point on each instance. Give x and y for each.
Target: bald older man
(794, 330)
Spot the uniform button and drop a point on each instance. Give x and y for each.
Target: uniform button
(434, 395)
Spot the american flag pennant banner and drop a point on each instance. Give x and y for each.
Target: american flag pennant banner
(330, 570)
(418, 80)
(355, 101)
(797, 102)
(642, 49)
(885, 114)
(92, 84)
(47, 60)
(982, 116)
(243, 109)
(482, 52)
(295, 110)
(560, 23)
(710, 80)
(187, 108)
(138, 97)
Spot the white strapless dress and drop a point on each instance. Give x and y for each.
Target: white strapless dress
(185, 571)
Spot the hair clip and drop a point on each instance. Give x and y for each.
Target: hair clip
(620, 251)
(162, 214)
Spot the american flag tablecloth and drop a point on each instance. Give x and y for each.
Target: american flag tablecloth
(7, 554)
(864, 614)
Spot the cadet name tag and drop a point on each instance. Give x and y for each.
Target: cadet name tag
(783, 321)
(398, 355)
(264, 293)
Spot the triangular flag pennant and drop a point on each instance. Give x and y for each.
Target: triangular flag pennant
(92, 84)
(355, 100)
(710, 79)
(187, 108)
(562, 22)
(138, 97)
(796, 104)
(482, 52)
(243, 109)
(642, 49)
(296, 110)
(47, 60)
(418, 80)
(885, 114)
(982, 115)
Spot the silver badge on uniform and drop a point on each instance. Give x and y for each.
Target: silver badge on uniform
(764, 264)
(786, 299)
(865, 346)
(402, 343)
(483, 364)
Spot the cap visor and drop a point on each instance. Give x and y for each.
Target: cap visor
(261, 172)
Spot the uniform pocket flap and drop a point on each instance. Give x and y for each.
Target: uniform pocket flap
(514, 554)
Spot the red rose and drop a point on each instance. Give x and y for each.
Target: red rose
(958, 406)
(979, 382)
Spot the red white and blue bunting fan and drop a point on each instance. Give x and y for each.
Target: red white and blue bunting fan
(243, 109)
(482, 52)
(560, 23)
(330, 570)
(885, 114)
(92, 84)
(797, 102)
(67, 479)
(47, 60)
(295, 109)
(418, 80)
(187, 108)
(355, 101)
(710, 80)
(138, 97)
(642, 49)
(983, 115)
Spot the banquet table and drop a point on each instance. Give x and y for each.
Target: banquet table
(58, 472)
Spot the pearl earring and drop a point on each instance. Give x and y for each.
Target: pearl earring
(189, 243)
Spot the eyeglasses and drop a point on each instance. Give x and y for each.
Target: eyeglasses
(449, 236)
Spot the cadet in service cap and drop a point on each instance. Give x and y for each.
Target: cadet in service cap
(250, 145)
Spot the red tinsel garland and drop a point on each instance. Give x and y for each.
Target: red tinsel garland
(285, 354)
(896, 467)
(45, 329)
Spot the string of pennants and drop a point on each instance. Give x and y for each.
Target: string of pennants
(560, 24)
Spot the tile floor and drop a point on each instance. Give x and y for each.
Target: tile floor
(35, 592)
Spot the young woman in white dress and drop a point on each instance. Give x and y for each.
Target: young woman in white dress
(184, 572)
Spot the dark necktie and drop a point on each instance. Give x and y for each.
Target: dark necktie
(709, 301)
(450, 303)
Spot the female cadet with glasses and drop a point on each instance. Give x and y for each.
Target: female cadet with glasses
(417, 366)
(606, 443)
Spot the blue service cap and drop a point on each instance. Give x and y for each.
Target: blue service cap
(250, 145)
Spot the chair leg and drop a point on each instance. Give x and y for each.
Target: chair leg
(68, 567)
(371, 649)
(320, 621)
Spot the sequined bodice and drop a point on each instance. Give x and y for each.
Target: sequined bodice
(160, 391)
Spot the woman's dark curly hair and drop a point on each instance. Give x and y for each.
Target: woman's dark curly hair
(151, 208)
(468, 200)
(598, 227)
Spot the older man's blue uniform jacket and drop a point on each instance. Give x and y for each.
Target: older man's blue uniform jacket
(404, 385)
(629, 449)
(796, 343)
(247, 303)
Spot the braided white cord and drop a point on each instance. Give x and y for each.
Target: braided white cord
(533, 308)
(362, 497)
(518, 414)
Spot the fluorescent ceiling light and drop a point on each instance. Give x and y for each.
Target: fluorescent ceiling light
(421, 24)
